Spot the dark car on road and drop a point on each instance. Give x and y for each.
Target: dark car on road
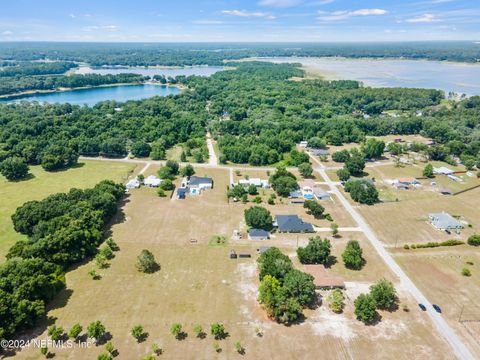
(421, 306)
(437, 308)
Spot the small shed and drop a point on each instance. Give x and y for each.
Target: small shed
(258, 234)
(133, 184)
(152, 181)
(181, 193)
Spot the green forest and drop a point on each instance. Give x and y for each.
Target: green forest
(255, 112)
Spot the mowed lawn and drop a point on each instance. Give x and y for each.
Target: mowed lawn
(42, 184)
(199, 284)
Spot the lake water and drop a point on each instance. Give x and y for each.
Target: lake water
(447, 76)
(151, 71)
(94, 95)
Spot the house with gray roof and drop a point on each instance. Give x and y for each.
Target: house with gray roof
(196, 184)
(321, 194)
(258, 234)
(292, 224)
(444, 221)
(319, 152)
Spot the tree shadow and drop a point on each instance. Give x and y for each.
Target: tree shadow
(60, 300)
(118, 218)
(202, 335)
(78, 165)
(222, 336)
(27, 177)
(143, 337)
(181, 336)
(104, 339)
(331, 260)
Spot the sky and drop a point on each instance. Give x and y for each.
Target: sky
(236, 21)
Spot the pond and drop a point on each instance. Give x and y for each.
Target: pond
(91, 96)
(460, 78)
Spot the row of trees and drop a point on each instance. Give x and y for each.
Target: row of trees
(35, 68)
(62, 229)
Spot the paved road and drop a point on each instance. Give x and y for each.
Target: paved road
(459, 348)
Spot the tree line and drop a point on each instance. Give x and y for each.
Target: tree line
(63, 229)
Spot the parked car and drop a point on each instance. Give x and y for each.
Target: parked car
(448, 231)
(437, 308)
(422, 307)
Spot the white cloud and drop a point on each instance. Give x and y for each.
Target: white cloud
(342, 15)
(425, 18)
(72, 16)
(243, 13)
(321, 2)
(109, 28)
(279, 3)
(7, 33)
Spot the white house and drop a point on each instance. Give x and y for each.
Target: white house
(254, 181)
(303, 144)
(152, 181)
(133, 184)
(442, 170)
(197, 184)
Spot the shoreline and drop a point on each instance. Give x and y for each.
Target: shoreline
(35, 92)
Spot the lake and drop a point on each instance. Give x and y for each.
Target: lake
(151, 71)
(461, 78)
(92, 96)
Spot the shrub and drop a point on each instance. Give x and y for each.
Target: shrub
(474, 240)
(14, 168)
(146, 262)
(161, 192)
(96, 330)
(218, 331)
(176, 330)
(112, 244)
(335, 301)
(352, 256)
(137, 332)
(466, 272)
(75, 330)
(384, 294)
(365, 308)
(55, 332)
(314, 208)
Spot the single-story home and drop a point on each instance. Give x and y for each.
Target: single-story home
(133, 184)
(196, 184)
(322, 279)
(258, 234)
(321, 194)
(292, 223)
(152, 181)
(319, 152)
(444, 221)
(303, 144)
(442, 170)
(296, 194)
(254, 181)
(408, 181)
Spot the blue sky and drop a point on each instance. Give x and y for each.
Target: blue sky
(235, 20)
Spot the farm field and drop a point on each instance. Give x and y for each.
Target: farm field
(199, 284)
(438, 273)
(41, 184)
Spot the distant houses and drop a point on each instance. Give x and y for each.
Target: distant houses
(254, 181)
(152, 181)
(444, 221)
(132, 184)
(442, 171)
(292, 224)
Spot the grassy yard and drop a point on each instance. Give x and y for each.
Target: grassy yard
(42, 184)
(199, 284)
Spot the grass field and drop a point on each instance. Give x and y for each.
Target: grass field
(42, 184)
(438, 274)
(199, 284)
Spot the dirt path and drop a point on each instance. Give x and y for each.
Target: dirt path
(212, 157)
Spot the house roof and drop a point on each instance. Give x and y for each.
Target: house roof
(319, 151)
(408, 180)
(258, 233)
(445, 221)
(295, 194)
(197, 180)
(442, 170)
(322, 279)
(292, 223)
(320, 193)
